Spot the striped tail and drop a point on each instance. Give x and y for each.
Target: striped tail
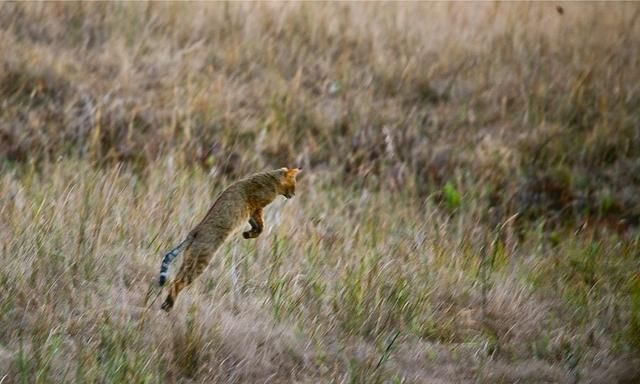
(168, 258)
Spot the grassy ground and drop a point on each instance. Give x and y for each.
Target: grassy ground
(468, 210)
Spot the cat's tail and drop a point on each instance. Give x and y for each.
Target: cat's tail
(169, 256)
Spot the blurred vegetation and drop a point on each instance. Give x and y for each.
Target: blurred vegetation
(468, 212)
(547, 126)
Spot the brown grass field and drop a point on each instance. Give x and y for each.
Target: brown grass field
(469, 210)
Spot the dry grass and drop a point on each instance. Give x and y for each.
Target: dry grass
(468, 211)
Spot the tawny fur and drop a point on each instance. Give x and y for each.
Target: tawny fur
(242, 201)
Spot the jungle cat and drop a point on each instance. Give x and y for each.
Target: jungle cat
(241, 201)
